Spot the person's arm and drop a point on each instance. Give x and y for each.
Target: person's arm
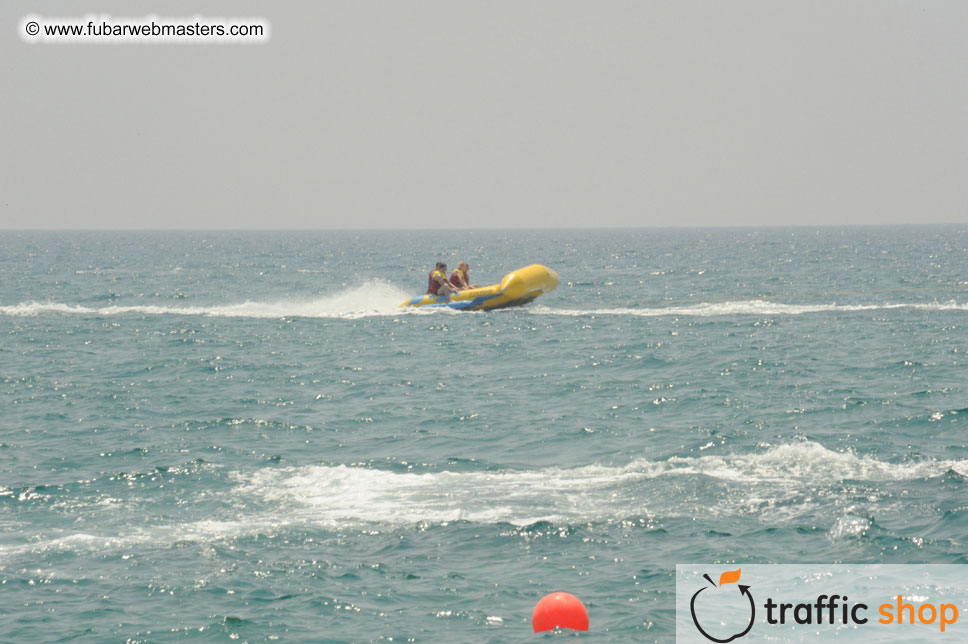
(442, 281)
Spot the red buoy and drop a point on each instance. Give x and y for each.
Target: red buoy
(559, 609)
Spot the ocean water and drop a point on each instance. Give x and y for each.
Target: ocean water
(239, 436)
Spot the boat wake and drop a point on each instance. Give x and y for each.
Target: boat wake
(748, 307)
(590, 493)
(782, 484)
(374, 298)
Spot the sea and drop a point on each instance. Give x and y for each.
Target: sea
(240, 436)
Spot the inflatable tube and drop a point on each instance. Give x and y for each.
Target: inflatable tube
(517, 288)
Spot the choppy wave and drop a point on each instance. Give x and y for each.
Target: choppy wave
(749, 307)
(782, 478)
(383, 299)
(589, 493)
(340, 494)
(206, 531)
(372, 299)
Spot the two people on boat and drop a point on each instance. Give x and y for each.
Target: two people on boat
(438, 284)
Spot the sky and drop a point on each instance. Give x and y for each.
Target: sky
(493, 114)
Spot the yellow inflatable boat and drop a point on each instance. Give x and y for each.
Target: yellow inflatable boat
(517, 288)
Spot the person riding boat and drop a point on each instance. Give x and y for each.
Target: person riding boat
(437, 283)
(461, 276)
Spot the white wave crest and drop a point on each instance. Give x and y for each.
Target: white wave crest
(206, 531)
(776, 485)
(371, 299)
(343, 494)
(748, 307)
(806, 464)
(377, 298)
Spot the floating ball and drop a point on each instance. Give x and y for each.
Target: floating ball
(559, 609)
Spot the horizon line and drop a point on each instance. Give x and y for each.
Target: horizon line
(492, 229)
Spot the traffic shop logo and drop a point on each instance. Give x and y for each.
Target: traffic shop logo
(724, 594)
(726, 611)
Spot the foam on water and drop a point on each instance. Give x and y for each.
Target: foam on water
(338, 497)
(595, 492)
(374, 298)
(383, 299)
(164, 535)
(808, 463)
(749, 307)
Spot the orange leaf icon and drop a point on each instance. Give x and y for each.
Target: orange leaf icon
(729, 577)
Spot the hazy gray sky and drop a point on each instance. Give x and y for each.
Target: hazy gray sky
(534, 113)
